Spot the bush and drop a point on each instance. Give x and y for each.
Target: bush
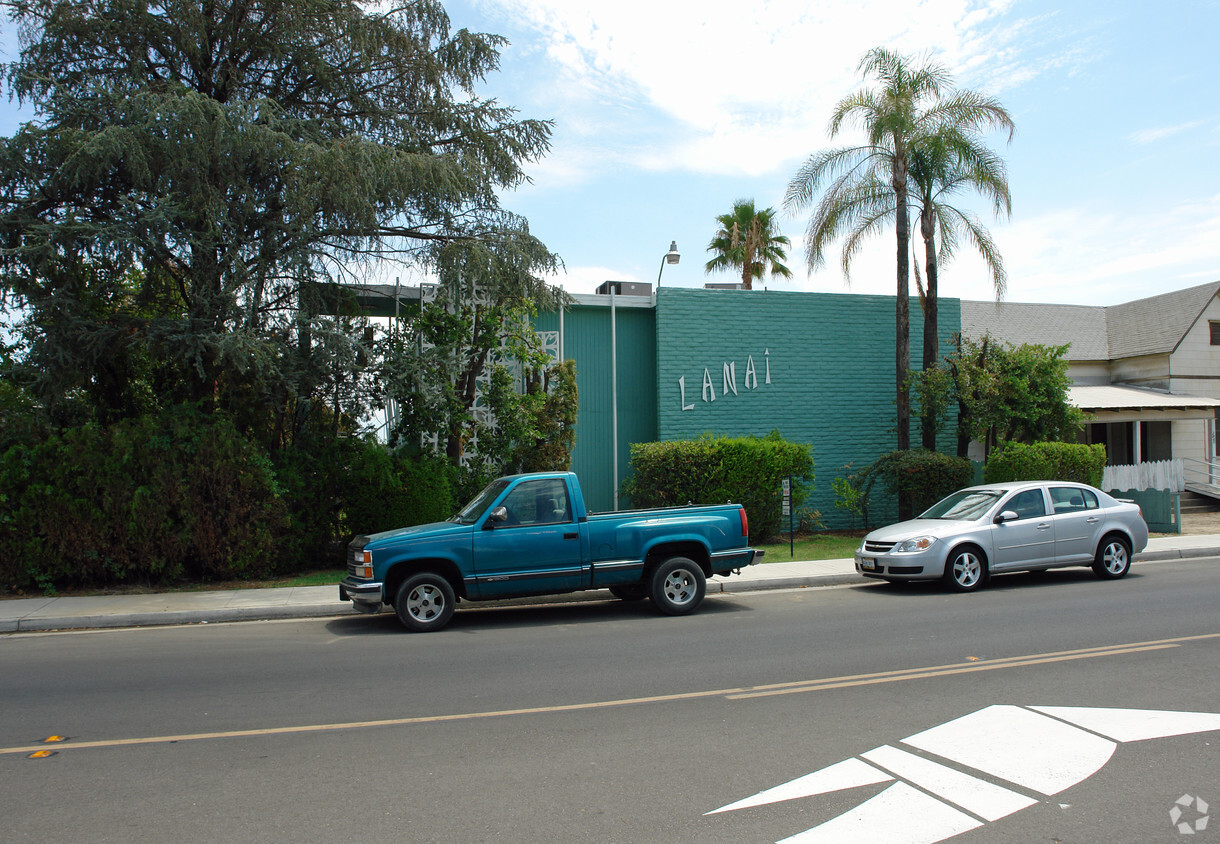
(336, 488)
(1047, 461)
(713, 470)
(925, 477)
(153, 500)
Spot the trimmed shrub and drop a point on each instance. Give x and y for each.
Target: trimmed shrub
(924, 476)
(152, 500)
(713, 470)
(1048, 461)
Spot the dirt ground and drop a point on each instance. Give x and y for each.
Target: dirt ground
(1197, 523)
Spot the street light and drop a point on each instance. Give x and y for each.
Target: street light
(670, 257)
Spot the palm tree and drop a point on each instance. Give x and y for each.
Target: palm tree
(870, 184)
(747, 242)
(893, 116)
(953, 160)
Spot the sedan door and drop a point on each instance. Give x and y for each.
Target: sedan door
(1077, 518)
(1029, 540)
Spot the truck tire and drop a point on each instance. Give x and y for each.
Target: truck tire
(425, 602)
(677, 586)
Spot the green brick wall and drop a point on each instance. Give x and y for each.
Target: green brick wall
(831, 362)
(830, 357)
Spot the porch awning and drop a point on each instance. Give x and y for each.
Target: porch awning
(1113, 403)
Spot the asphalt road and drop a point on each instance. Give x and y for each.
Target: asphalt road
(602, 722)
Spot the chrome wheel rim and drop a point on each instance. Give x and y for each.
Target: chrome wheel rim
(1115, 558)
(967, 570)
(679, 587)
(425, 602)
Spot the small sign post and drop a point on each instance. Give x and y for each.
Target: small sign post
(787, 490)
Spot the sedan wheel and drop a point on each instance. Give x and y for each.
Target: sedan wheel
(965, 570)
(1113, 558)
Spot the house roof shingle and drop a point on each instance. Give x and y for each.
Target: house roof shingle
(1155, 325)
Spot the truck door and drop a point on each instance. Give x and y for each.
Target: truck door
(536, 549)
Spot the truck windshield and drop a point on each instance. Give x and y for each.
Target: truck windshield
(967, 504)
(469, 514)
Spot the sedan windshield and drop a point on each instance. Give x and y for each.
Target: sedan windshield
(471, 512)
(966, 504)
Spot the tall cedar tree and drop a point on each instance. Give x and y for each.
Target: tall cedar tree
(191, 165)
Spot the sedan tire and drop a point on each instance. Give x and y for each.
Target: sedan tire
(965, 570)
(1113, 558)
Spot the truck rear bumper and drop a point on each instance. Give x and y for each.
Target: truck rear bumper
(757, 558)
(365, 597)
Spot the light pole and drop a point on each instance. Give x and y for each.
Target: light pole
(670, 257)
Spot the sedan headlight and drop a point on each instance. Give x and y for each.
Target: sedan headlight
(918, 543)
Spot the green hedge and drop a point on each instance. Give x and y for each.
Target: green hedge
(149, 500)
(185, 496)
(713, 470)
(337, 488)
(924, 476)
(1050, 461)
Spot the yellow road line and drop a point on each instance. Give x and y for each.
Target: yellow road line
(729, 694)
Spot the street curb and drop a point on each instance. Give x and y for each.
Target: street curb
(171, 618)
(794, 582)
(344, 610)
(1176, 554)
(338, 609)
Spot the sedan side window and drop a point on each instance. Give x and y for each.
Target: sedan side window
(1027, 505)
(1072, 499)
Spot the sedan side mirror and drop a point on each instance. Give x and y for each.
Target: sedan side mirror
(1006, 516)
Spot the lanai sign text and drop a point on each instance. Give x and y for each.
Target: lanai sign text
(728, 382)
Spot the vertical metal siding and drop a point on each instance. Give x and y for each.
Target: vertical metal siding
(587, 341)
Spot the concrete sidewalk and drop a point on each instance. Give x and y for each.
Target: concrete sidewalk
(73, 613)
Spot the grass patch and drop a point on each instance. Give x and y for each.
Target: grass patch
(316, 578)
(835, 545)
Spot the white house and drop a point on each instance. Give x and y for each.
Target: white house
(1148, 372)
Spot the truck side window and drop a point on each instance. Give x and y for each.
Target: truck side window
(541, 502)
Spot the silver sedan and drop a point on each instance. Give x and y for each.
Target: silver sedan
(1027, 526)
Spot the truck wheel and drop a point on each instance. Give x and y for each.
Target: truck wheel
(677, 586)
(425, 602)
(629, 592)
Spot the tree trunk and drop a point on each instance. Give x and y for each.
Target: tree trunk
(902, 319)
(931, 343)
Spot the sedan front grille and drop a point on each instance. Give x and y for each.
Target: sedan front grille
(872, 547)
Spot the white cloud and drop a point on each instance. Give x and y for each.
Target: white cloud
(714, 88)
(1151, 136)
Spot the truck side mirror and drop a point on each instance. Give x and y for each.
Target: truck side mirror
(500, 514)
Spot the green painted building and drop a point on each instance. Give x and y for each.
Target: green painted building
(817, 367)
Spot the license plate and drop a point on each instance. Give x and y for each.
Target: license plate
(868, 564)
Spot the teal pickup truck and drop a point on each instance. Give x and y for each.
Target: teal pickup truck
(531, 535)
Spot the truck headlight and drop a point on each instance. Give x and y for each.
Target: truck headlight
(363, 562)
(918, 543)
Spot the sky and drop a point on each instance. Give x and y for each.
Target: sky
(665, 113)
